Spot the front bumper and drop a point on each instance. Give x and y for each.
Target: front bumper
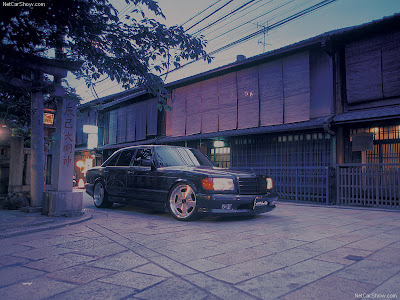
(227, 204)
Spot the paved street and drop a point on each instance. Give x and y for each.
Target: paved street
(294, 252)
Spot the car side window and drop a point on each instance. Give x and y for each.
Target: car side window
(142, 154)
(112, 161)
(125, 158)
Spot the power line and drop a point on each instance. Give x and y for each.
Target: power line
(242, 15)
(252, 35)
(266, 13)
(206, 17)
(200, 12)
(271, 27)
(222, 18)
(275, 25)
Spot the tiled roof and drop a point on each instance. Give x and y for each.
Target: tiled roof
(387, 112)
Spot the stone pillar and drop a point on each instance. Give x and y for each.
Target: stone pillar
(62, 201)
(16, 164)
(64, 149)
(37, 146)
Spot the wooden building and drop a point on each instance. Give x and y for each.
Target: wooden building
(321, 116)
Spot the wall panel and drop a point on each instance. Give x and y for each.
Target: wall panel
(363, 70)
(130, 123)
(297, 108)
(169, 117)
(121, 127)
(296, 87)
(152, 115)
(178, 112)
(209, 96)
(391, 65)
(141, 120)
(227, 105)
(248, 102)
(194, 109)
(321, 84)
(112, 129)
(271, 93)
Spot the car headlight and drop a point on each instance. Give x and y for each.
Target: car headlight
(218, 184)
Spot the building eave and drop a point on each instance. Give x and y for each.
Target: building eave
(318, 123)
(367, 115)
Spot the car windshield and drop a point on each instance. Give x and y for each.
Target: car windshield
(177, 156)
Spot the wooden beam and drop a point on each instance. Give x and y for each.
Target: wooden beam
(55, 67)
(44, 87)
(16, 82)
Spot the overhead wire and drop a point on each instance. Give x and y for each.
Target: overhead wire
(270, 27)
(190, 19)
(209, 15)
(226, 16)
(258, 7)
(264, 14)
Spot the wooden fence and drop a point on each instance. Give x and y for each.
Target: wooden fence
(371, 185)
(298, 183)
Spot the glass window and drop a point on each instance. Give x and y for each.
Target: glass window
(221, 157)
(176, 156)
(144, 153)
(125, 157)
(112, 160)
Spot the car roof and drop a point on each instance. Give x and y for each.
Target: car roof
(154, 146)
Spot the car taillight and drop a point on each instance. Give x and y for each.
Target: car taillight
(270, 184)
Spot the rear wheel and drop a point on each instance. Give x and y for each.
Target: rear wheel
(182, 202)
(100, 197)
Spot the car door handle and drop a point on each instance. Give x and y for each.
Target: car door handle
(131, 172)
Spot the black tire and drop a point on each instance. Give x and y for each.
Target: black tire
(182, 202)
(100, 197)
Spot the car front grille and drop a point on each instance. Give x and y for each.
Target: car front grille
(252, 185)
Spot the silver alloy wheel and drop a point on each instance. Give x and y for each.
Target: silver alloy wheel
(98, 194)
(182, 201)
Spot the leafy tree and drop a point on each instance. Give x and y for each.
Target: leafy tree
(15, 109)
(130, 50)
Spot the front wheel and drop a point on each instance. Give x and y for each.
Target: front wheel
(182, 202)
(100, 198)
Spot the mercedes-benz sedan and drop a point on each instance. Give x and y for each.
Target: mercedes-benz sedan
(184, 180)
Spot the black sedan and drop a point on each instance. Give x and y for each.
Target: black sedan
(184, 180)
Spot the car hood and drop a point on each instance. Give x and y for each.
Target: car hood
(208, 171)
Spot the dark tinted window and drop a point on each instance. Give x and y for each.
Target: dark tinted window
(111, 160)
(125, 158)
(141, 154)
(177, 156)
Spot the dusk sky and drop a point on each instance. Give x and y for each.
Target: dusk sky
(339, 14)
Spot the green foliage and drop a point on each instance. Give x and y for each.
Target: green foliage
(15, 110)
(130, 51)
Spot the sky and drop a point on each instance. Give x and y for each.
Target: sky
(339, 14)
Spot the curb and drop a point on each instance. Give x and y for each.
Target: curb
(44, 227)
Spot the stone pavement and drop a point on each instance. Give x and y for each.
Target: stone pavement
(294, 252)
(15, 222)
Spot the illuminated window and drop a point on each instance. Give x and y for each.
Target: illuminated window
(221, 156)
